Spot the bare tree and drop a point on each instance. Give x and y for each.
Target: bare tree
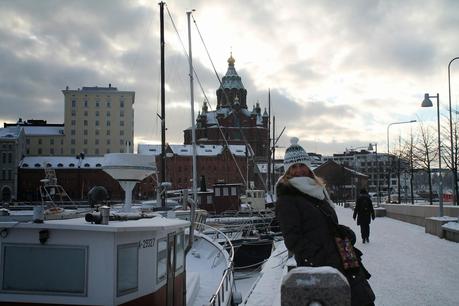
(451, 162)
(425, 152)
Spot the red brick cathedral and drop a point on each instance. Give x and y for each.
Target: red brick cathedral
(232, 118)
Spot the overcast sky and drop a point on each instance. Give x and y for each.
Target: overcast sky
(339, 71)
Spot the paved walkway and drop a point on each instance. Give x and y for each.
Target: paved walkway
(409, 267)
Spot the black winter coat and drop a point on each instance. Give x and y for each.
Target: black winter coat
(308, 235)
(364, 210)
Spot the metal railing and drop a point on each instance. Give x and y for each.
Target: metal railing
(222, 295)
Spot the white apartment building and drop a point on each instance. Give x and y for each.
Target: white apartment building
(98, 120)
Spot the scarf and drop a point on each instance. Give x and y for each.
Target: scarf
(310, 187)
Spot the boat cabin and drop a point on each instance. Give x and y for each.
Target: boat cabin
(74, 262)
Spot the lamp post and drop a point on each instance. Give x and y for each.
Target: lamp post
(370, 148)
(453, 156)
(388, 157)
(428, 103)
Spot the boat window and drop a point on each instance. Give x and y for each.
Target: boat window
(161, 268)
(180, 252)
(58, 270)
(127, 268)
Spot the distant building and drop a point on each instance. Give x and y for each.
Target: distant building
(12, 148)
(98, 120)
(382, 169)
(216, 163)
(41, 137)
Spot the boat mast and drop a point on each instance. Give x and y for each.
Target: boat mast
(163, 115)
(193, 125)
(269, 140)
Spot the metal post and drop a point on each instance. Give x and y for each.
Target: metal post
(440, 186)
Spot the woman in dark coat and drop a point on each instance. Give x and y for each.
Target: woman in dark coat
(308, 223)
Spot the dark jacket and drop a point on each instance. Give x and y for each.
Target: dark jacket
(364, 210)
(309, 235)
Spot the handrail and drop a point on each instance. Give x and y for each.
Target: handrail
(226, 281)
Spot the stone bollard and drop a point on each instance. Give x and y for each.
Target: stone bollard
(307, 286)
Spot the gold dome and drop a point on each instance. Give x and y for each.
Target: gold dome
(231, 60)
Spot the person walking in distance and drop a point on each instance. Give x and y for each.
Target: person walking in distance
(310, 227)
(363, 211)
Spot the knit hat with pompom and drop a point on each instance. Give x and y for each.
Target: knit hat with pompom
(295, 154)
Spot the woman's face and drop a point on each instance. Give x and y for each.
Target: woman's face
(299, 170)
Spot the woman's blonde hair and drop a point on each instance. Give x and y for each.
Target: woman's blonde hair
(288, 175)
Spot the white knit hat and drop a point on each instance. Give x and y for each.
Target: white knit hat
(295, 154)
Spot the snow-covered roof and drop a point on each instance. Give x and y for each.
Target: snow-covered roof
(40, 162)
(44, 130)
(11, 132)
(187, 150)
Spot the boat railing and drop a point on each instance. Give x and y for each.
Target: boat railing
(222, 295)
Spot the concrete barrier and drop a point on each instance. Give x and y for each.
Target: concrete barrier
(315, 286)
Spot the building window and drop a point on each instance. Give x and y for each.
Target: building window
(121, 103)
(72, 141)
(73, 122)
(72, 151)
(39, 141)
(85, 123)
(4, 157)
(96, 141)
(73, 113)
(121, 142)
(97, 113)
(109, 104)
(97, 103)
(97, 132)
(122, 123)
(27, 141)
(86, 113)
(97, 122)
(85, 103)
(51, 151)
(96, 151)
(85, 141)
(121, 133)
(85, 132)
(108, 132)
(72, 132)
(73, 103)
(108, 113)
(121, 113)
(10, 157)
(39, 151)
(108, 122)
(108, 141)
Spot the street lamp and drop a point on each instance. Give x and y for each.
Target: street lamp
(370, 148)
(453, 156)
(388, 157)
(428, 103)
